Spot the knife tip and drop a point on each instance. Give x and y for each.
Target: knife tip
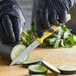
(12, 63)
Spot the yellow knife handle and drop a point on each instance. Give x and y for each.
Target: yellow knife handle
(48, 33)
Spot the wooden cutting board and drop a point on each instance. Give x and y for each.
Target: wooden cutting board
(53, 56)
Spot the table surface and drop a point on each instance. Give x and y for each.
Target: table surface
(53, 56)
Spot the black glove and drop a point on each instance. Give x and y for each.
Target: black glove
(51, 12)
(11, 22)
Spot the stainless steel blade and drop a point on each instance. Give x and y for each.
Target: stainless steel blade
(25, 52)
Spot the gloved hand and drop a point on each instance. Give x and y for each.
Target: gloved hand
(51, 12)
(11, 22)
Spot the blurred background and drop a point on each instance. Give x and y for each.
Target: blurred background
(26, 6)
(72, 23)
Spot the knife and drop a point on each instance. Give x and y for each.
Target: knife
(36, 43)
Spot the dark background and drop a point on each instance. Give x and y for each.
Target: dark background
(72, 23)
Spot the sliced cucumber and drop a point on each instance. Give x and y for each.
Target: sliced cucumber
(16, 51)
(37, 69)
(67, 69)
(31, 62)
(50, 67)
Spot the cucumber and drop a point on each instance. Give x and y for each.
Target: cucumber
(16, 51)
(37, 69)
(50, 67)
(67, 69)
(5, 51)
(31, 62)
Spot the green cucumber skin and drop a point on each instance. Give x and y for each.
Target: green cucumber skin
(31, 63)
(41, 69)
(50, 68)
(5, 51)
(32, 72)
(27, 65)
(67, 72)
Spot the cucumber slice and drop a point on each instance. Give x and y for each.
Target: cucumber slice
(16, 51)
(50, 67)
(31, 62)
(67, 69)
(37, 69)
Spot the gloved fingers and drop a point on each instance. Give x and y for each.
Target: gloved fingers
(61, 6)
(42, 28)
(40, 20)
(16, 28)
(42, 25)
(40, 31)
(3, 38)
(47, 25)
(8, 30)
(1, 31)
(63, 16)
(39, 26)
(52, 16)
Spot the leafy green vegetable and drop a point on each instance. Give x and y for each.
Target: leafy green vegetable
(26, 37)
(60, 38)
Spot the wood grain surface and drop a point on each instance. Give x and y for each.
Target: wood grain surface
(53, 56)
